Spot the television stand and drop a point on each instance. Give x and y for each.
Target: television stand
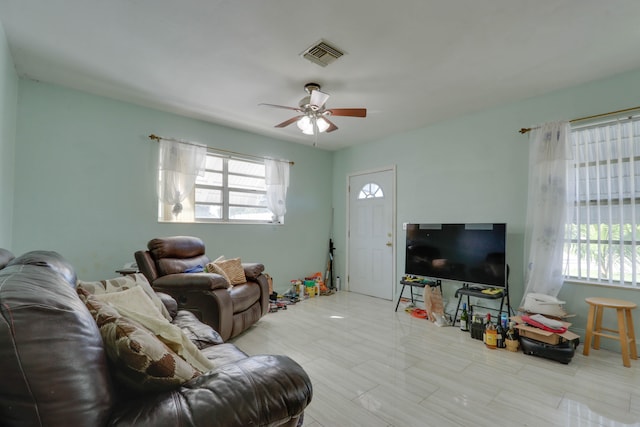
(476, 292)
(417, 283)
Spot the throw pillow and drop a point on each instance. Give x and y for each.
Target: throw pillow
(233, 270)
(122, 284)
(136, 305)
(212, 267)
(142, 361)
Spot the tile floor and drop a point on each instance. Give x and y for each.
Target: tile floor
(371, 366)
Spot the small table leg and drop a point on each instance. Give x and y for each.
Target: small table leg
(400, 297)
(624, 341)
(589, 334)
(598, 328)
(455, 316)
(631, 333)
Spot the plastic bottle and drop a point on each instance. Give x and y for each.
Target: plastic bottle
(338, 283)
(301, 289)
(504, 321)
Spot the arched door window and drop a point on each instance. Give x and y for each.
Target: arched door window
(370, 190)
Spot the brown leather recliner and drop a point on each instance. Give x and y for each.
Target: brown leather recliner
(55, 369)
(228, 310)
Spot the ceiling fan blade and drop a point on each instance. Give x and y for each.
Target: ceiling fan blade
(318, 98)
(332, 125)
(349, 112)
(288, 122)
(283, 106)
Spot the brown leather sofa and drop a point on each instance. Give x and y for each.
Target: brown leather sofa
(5, 257)
(230, 310)
(55, 371)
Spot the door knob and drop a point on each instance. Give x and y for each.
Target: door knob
(389, 244)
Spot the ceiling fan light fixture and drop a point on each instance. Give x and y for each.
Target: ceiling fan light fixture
(313, 117)
(305, 124)
(323, 125)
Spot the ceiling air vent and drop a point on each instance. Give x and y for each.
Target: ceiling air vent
(322, 53)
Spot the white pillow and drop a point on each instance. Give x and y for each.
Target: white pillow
(123, 283)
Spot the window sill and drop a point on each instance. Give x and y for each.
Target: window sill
(600, 284)
(164, 221)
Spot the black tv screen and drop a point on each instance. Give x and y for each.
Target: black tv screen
(469, 253)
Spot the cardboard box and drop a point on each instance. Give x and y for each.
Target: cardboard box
(542, 335)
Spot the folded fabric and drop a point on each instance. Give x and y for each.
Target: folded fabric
(196, 269)
(544, 323)
(135, 304)
(551, 323)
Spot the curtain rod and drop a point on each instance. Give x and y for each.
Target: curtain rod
(610, 113)
(158, 138)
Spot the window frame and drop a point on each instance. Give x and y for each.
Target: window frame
(579, 240)
(226, 191)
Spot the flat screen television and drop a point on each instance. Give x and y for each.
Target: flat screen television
(470, 253)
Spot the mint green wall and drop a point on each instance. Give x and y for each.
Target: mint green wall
(8, 102)
(85, 186)
(448, 172)
(84, 180)
(474, 169)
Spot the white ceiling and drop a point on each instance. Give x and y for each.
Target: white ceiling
(409, 62)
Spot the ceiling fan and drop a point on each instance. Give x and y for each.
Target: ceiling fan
(314, 117)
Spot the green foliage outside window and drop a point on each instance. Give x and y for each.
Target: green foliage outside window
(602, 252)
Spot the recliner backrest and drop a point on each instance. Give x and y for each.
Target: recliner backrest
(176, 254)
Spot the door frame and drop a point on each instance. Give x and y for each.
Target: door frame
(393, 169)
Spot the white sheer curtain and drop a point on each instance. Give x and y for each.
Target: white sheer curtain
(180, 164)
(277, 181)
(550, 202)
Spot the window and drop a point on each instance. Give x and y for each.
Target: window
(232, 189)
(370, 191)
(601, 244)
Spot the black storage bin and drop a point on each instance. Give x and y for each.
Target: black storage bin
(477, 329)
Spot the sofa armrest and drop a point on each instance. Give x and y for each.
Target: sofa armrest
(257, 391)
(169, 303)
(5, 257)
(252, 270)
(202, 281)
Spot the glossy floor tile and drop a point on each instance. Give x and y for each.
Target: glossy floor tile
(371, 366)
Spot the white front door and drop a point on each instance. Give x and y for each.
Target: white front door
(371, 233)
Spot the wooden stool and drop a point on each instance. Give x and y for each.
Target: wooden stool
(625, 332)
